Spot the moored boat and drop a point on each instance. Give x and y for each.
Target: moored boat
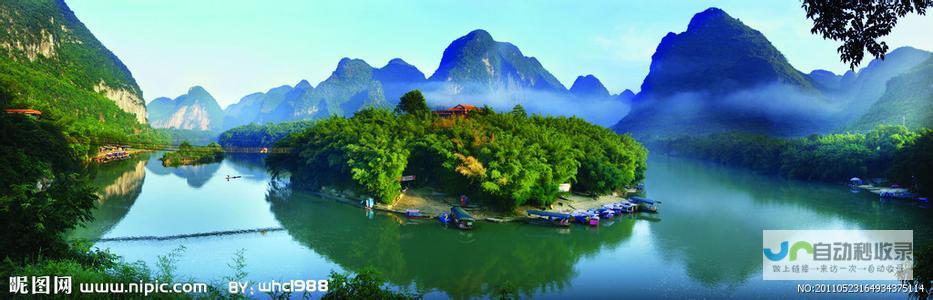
(461, 218)
(645, 204)
(541, 217)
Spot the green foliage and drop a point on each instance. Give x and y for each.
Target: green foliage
(519, 111)
(913, 164)
(907, 100)
(503, 159)
(62, 85)
(192, 155)
(413, 103)
(366, 284)
(41, 193)
(896, 151)
(255, 135)
(859, 24)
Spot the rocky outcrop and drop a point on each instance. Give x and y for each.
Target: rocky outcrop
(125, 100)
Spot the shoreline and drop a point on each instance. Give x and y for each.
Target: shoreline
(432, 203)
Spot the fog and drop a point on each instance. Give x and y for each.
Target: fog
(769, 108)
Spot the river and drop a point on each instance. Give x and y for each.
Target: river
(705, 242)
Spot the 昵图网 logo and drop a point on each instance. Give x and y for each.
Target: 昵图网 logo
(837, 254)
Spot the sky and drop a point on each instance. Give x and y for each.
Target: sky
(236, 47)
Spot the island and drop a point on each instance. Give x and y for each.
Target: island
(193, 155)
(500, 160)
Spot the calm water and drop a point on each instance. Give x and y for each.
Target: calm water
(706, 241)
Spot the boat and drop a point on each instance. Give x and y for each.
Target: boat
(461, 218)
(605, 213)
(541, 217)
(369, 203)
(444, 218)
(645, 204)
(585, 217)
(620, 208)
(415, 214)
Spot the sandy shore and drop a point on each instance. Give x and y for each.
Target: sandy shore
(431, 202)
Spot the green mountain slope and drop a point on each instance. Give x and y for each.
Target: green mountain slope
(45, 37)
(718, 75)
(476, 62)
(51, 62)
(907, 100)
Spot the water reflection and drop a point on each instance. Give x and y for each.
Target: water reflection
(714, 216)
(196, 176)
(428, 256)
(118, 184)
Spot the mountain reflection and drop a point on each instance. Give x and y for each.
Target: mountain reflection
(195, 175)
(118, 185)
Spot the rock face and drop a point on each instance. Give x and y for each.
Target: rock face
(718, 75)
(46, 37)
(196, 110)
(477, 63)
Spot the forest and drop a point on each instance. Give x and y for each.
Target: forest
(256, 135)
(895, 152)
(504, 159)
(193, 155)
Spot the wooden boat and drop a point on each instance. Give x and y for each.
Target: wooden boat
(541, 217)
(645, 204)
(461, 218)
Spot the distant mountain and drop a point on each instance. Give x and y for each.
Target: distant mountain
(626, 96)
(350, 87)
(57, 65)
(477, 63)
(397, 78)
(908, 100)
(589, 86)
(196, 110)
(275, 105)
(870, 82)
(719, 75)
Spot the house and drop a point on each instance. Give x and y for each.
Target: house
(461, 110)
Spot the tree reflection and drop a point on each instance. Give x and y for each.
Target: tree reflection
(428, 256)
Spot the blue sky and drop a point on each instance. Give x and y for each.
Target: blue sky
(235, 47)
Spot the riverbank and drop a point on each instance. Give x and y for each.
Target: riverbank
(432, 203)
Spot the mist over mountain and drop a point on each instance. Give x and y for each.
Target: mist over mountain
(196, 109)
(475, 69)
(907, 100)
(860, 91)
(721, 75)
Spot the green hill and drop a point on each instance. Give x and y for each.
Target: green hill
(717, 75)
(907, 100)
(52, 62)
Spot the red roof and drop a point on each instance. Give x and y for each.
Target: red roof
(25, 111)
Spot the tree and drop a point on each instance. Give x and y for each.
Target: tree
(413, 103)
(859, 24)
(519, 110)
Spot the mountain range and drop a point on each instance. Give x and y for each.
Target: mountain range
(719, 74)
